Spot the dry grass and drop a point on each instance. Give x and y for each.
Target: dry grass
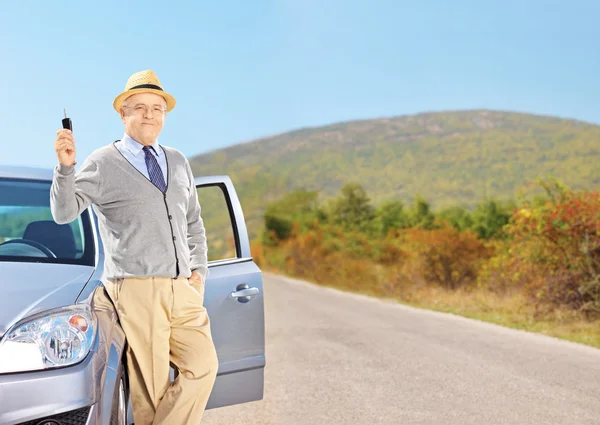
(510, 310)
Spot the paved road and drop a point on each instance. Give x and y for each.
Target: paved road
(337, 358)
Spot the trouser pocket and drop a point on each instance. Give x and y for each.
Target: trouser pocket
(113, 288)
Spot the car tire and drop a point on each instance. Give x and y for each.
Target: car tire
(120, 400)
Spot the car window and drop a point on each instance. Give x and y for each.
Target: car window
(28, 231)
(221, 238)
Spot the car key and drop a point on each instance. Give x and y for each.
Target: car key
(67, 123)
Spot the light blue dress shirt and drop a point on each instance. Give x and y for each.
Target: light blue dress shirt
(132, 151)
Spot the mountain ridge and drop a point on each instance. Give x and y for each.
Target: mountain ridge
(454, 157)
(391, 117)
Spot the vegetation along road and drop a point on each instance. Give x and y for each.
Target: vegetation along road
(341, 358)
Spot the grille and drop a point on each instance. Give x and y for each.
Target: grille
(74, 417)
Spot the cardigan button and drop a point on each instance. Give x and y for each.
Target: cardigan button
(170, 217)
(174, 238)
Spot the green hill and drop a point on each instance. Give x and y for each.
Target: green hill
(449, 158)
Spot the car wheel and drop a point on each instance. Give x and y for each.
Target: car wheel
(120, 399)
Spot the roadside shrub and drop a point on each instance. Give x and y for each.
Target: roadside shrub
(276, 228)
(447, 257)
(504, 272)
(560, 238)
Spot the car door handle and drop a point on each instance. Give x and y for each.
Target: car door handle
(244, 293)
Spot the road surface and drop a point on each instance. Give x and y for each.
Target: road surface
(339, 358)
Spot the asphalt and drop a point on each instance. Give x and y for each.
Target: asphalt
(341, 358)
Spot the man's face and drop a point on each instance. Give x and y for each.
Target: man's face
(144, 115)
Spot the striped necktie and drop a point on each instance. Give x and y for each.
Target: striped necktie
(154, 171)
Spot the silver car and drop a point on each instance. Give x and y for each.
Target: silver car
(61, 345)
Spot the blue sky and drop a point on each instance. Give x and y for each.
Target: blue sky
(245, 69)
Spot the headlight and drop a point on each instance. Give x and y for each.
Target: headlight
(54, 338)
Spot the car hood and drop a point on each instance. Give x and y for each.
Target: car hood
(28, 288)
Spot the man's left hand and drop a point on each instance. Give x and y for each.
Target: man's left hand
(195, 277)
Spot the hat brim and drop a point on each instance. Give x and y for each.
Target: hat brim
(118, 102)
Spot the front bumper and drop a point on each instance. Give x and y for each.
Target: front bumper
(35, 395)
(81, 391)
(75, 417)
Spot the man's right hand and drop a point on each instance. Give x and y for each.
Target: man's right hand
(65, 147)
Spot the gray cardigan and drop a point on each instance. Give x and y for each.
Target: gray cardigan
(145, 232)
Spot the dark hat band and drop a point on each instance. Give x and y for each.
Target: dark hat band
(147, 86)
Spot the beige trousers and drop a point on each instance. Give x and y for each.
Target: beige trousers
(165, 322)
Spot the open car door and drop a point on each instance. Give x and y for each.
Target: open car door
(233, 295)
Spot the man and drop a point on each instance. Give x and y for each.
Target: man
(156, 252)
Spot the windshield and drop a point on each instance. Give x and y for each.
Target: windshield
(28, 233)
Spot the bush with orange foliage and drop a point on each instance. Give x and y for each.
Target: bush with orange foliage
(446, 256)
(557, 246)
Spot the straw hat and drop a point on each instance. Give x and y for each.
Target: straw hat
(143, 82)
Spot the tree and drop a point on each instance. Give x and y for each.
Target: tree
(276, 228)
(489, 217)
(352, 209)
(459, 217)
(299, 205)
(390, 215)
(420, 216)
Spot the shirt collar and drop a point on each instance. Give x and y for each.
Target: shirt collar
(136, 147)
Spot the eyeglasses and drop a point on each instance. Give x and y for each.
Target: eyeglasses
(140, 109)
